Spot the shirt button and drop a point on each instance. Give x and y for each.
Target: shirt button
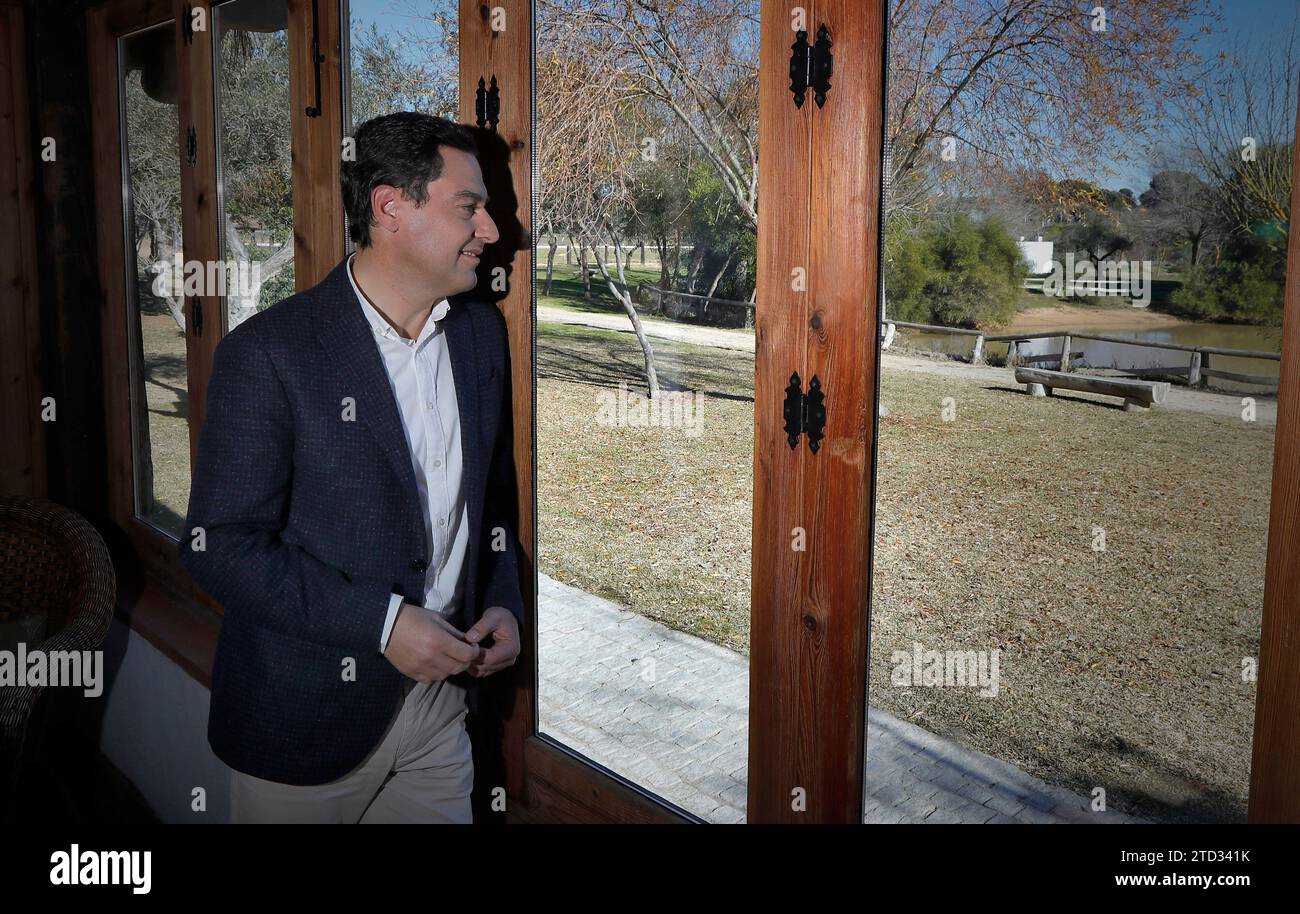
(442, 522)
(428, 405)
(437, 464)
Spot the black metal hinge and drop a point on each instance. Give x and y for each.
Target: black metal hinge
(317, 58)
(196, 309)
(811, 66)
(487, 104)
(191, 145)
(805, 413)
(187, 24)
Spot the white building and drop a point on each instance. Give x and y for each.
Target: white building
(1038, 253)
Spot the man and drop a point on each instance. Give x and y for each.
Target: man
(351, 503)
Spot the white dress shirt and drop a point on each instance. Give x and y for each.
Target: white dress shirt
(419, 373)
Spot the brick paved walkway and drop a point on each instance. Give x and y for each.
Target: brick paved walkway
(669, 711)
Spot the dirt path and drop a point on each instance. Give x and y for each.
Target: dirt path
(1180, 398)
(686, 333)
(1058, 317)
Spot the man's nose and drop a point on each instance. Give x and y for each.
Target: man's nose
(487, 229)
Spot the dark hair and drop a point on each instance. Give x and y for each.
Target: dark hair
(400, 149)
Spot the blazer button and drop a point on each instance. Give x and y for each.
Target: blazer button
(419, 565)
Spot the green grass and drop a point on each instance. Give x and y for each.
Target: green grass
(567, 289)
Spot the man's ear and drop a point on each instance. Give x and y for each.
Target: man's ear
(383, 205)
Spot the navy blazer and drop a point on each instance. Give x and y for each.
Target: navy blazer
(310, 522)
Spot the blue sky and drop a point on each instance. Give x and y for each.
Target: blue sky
(1249, 24)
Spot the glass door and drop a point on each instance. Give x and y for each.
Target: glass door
(1086, 254)
(645, 277)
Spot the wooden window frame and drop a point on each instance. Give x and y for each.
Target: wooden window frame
(22, 454)
(165, 606)
(811, 609)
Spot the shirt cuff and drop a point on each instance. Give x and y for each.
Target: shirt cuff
(394, 605)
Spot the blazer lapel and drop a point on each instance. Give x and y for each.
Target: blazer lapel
(349, 342)
(458, 325)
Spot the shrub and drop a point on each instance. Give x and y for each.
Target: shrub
(954, 273)
(1246, 287)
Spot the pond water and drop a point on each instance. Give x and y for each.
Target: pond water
(1099, 354)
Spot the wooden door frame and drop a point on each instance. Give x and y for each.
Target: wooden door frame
(810, 612)
(161, 603)
(1275, 753)
(105, 25)
(820, 172)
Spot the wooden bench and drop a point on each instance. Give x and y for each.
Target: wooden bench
(1136, 394)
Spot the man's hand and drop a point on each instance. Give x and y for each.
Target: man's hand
(426, 647)
(501, 624)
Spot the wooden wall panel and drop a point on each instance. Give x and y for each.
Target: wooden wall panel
(22, 452)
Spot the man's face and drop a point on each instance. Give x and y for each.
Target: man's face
(440, 240)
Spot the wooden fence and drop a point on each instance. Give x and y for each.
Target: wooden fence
(1196, 373)
(704, 309)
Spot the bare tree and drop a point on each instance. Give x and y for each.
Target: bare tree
(1180, 206)
(1238, 134)
(698, 60)
(1042, 84)
(589, 120)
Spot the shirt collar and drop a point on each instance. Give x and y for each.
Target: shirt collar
(384, 329)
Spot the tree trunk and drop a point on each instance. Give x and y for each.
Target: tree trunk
(664, 279)
(239, 306)
(699, 254)
(619, 289)
(550, 267)
(717, 277)
(677, 256)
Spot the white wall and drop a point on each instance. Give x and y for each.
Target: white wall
(155, 730)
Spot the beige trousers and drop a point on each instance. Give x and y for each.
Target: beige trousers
(422, 771)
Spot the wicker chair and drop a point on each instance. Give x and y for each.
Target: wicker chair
(52, 561)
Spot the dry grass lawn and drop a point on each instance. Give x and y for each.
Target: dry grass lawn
(1119, 669)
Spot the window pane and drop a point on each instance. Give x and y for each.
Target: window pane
(255, 177)
(403, 56)
(1065, 579)
(645, 281)
(159, 382)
